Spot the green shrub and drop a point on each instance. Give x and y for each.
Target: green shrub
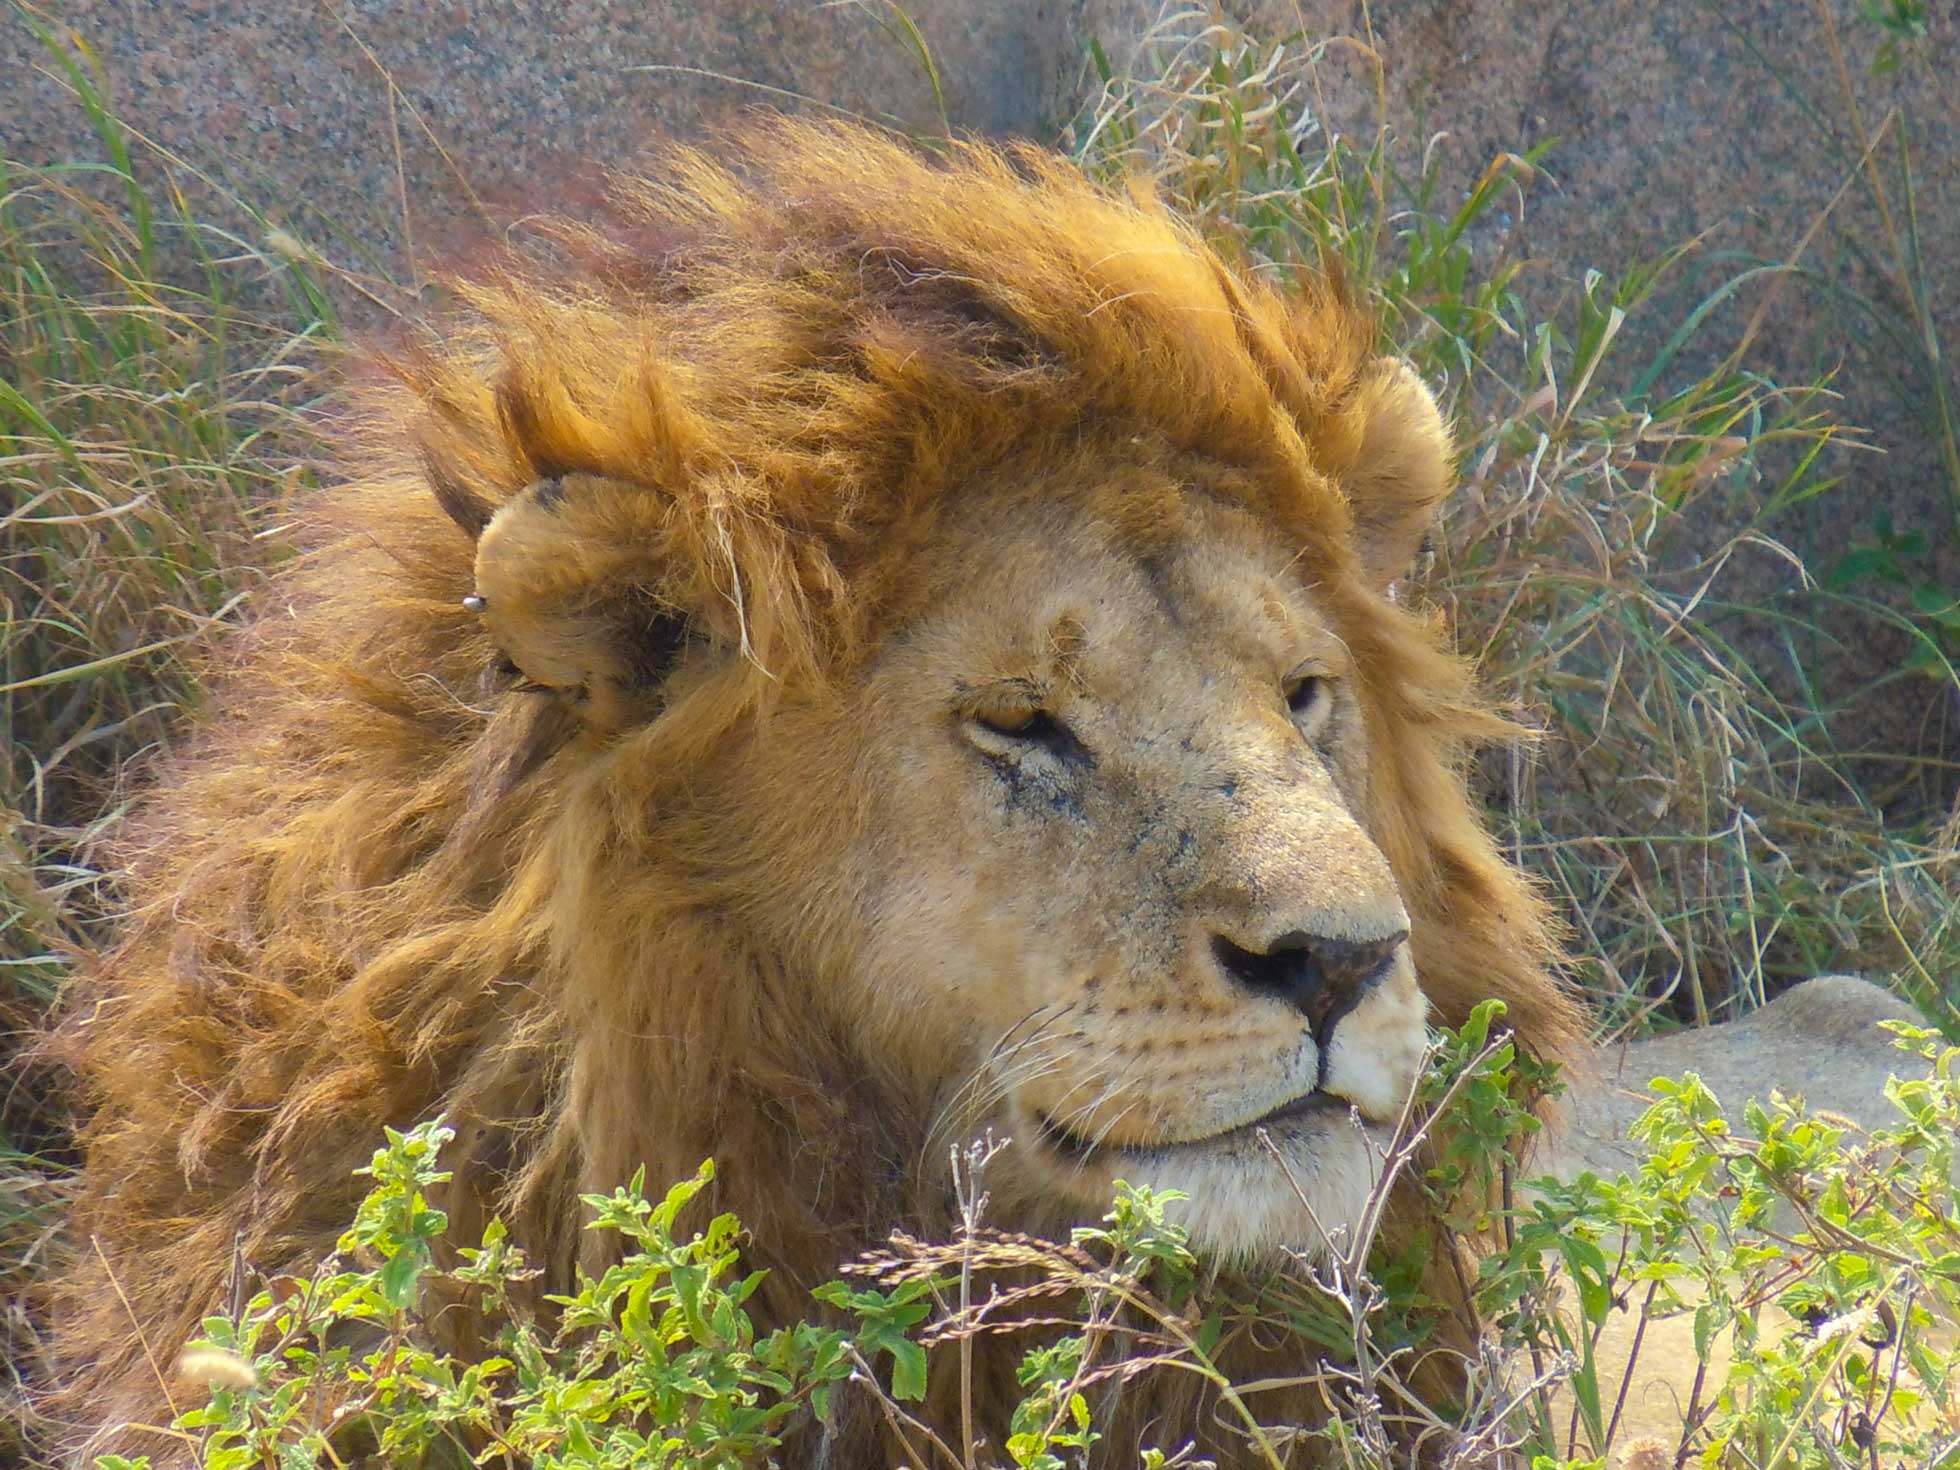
(657, 1363)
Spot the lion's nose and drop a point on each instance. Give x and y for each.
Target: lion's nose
(1323, 978)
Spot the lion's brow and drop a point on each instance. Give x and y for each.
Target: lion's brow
(1068, 640)
(1063, 645)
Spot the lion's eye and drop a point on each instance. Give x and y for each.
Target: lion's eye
(1011, 722)
(1307, 698)
(1034, 725)
(1018, 727)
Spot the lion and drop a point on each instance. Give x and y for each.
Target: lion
(850, 650)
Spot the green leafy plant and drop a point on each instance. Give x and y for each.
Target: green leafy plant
(1810, 1278)
(654, 1362)
(1899, 560)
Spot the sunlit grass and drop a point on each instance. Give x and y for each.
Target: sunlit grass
(154, 369)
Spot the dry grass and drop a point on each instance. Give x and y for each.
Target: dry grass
(154, 370)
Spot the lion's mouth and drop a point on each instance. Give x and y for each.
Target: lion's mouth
(1079, 1150)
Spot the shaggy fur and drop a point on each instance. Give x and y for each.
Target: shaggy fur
(526, 866)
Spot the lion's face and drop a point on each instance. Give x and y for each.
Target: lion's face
(1123, 904)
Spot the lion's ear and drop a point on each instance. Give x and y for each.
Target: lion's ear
(1403, 470)
(569, 589)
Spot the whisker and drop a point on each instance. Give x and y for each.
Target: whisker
(1006, 1045)
(990, 1080)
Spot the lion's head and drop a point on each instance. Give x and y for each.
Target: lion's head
(1082, 841)
(854, 650)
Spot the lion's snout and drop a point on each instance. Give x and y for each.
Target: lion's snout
(1320, 976)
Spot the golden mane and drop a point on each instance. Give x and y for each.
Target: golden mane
(382, 881)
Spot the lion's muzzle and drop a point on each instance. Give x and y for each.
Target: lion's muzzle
(1321, 977)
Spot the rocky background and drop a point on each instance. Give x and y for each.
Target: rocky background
(394, 133)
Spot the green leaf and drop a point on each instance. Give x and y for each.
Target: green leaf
(908, 1369)
(1709, 1319)
(399, 1277)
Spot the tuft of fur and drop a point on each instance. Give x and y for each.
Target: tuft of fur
(401, 868)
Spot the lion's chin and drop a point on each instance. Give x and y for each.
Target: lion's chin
(1302, 1186)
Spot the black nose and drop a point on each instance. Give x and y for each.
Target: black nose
(1323, 978)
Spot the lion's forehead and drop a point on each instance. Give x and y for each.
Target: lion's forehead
(1166, 654)
(1175, 610)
